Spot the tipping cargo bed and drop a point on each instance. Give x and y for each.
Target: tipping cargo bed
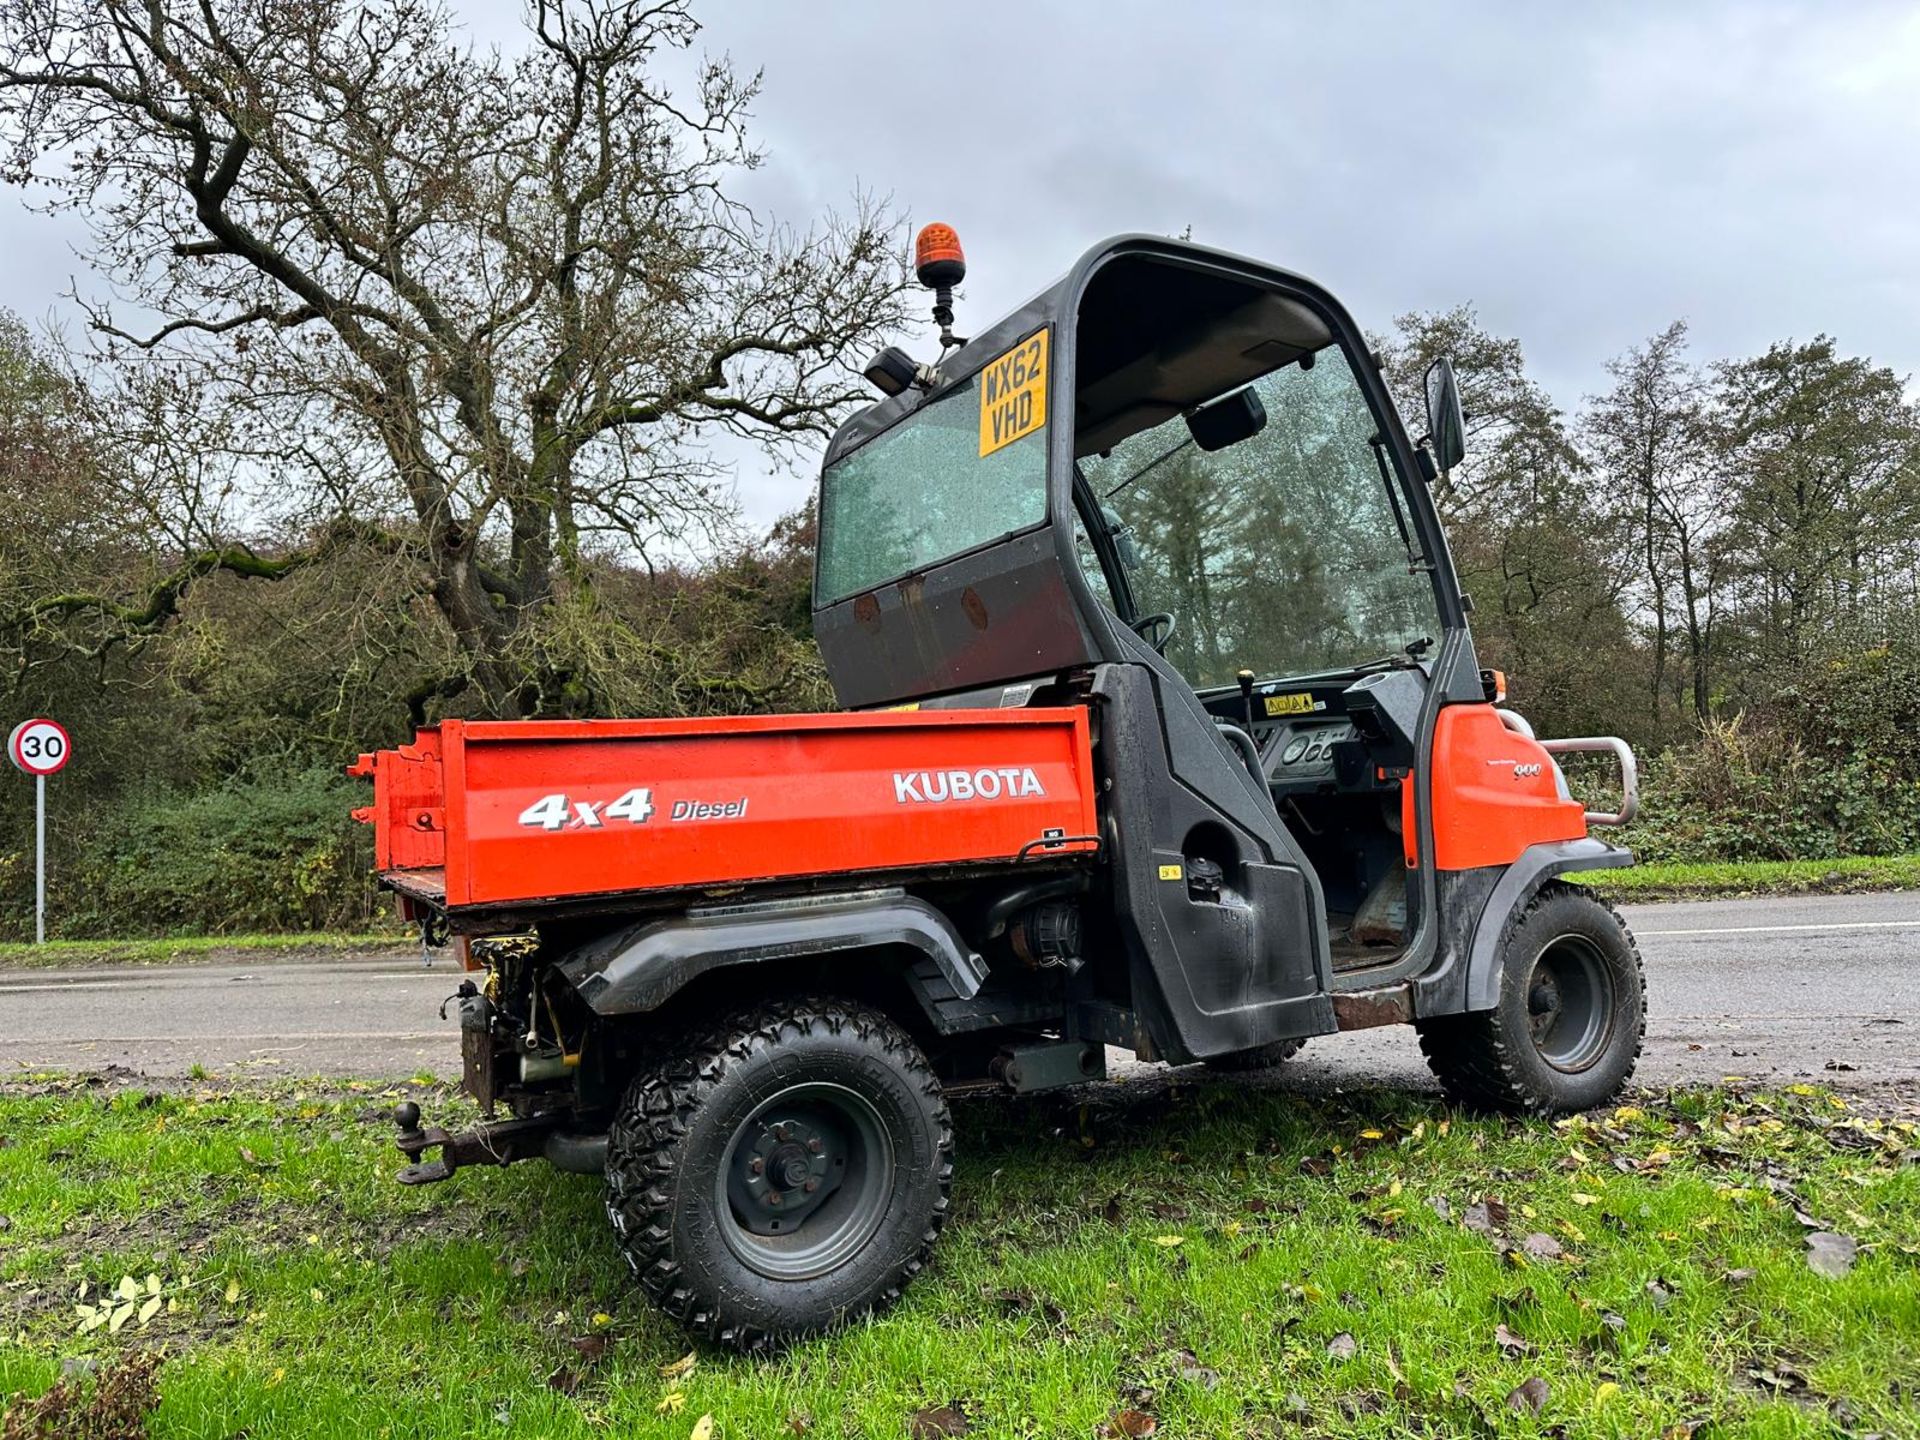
(517, 816)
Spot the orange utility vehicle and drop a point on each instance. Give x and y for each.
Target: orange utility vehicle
(1164, 730)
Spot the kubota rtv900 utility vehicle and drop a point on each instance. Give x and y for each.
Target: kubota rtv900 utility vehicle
(1164, 730)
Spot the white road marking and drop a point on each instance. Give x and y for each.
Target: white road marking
(226, 1039)
(171, 983)
(1786, 929)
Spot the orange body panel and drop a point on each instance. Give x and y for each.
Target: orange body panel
(1494, 794)
(520, 812)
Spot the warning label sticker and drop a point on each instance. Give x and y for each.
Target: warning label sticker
(1302, 704)
(1013, 394)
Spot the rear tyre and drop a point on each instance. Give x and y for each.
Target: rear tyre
(1261, 1057)
(786, 1172)
(1572, 1012)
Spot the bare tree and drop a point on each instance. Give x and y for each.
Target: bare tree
(490, 307)
(1651, 436)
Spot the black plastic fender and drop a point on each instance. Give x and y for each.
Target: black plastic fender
(641, 967)
(1466, 976)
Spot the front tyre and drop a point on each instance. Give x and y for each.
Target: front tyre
(785, 1173)
(1572, 1012)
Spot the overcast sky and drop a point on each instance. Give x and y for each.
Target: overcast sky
(1582, 175)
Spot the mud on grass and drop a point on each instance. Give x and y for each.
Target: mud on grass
(1215, 1260)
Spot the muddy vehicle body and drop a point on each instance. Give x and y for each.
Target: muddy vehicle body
(1163, 730)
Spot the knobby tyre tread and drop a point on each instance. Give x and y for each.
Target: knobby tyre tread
(648, 1143)
(1479, 1061)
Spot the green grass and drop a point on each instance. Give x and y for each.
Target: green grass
(314, 1297)
(1727, 879)
(193, 947)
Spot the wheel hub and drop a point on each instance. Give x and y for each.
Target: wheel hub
(805, 1181)
(785, 1172)
(1569, 1004)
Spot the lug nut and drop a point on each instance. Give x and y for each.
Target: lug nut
(812, 1185)
(815, 1146)
(774, 1197)
(756, 1165)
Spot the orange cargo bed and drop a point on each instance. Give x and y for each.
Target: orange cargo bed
(509, 815)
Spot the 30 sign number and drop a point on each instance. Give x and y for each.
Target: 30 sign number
(39, 746)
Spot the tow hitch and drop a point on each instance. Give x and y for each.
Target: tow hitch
(497, 1142)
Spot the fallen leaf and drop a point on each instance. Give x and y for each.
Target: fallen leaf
(1604, 1392)
(1542, 1246)
(671, 1403)
(1831, 1254)
(1529, 1395)
(563, 1380)
(1132, 1425)
(1343, 1346)
(233, 1292)
(1167, 1242)
(600, 1317)
(939, 1421)
(683, 1366)
(1438, 1204)
(150, 1309)
(1509, 1342)
(1484, 1217)
(1194, 1373)
(1741, 1276)
(1659, 1294)
(1614, 1321)
(1580, 1197)
(591, 1348)
(1113, 1214)
(702, 1428)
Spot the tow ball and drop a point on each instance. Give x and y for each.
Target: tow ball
(496, 1142)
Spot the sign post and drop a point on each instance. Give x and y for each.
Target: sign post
(40, 747)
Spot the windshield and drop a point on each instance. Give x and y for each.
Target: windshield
(1284, 553)
(940, 482)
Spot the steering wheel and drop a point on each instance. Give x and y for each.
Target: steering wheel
(1160, 620)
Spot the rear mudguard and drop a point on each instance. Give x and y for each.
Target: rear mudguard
(643, 966)
(1466, 975)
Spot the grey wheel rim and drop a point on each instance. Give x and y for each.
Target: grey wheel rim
(805, 1181)
(1570, 1003)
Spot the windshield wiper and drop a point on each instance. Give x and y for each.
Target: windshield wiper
(1378, 443)
(1146, 467)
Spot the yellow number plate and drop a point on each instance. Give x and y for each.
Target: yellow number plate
(1013, 394)
(1289, 704)
(1171, 872)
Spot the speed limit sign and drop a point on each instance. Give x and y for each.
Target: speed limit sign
(39, 747)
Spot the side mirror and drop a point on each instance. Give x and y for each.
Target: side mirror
(1446, 421)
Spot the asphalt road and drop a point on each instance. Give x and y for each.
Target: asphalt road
(1818, 988)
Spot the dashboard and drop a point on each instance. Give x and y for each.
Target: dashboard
(1304, 749)
(1337, 733)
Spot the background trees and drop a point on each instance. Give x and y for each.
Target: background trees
(471, 312)
(410, 405)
